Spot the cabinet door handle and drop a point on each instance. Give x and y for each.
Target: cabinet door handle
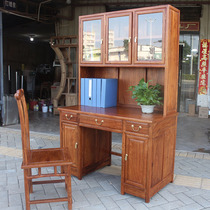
(98, 122)
(76, 145)
(135, 39)
(126, 157)
(133, 128)
(68, 118)
(129, 39)
(101, 41)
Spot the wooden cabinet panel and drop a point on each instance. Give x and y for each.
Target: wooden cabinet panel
(128, 77)
(135, 161)
(139, 128)
(68, 116)
(101, 122)
(89, 146)
(96, 149)
(169, 151)
(70, 140)
(157, 159)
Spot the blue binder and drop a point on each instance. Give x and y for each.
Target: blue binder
(88, 91)
(108, 93)
(82, 92)
(98, 88)
(98, 92)
(94, 92)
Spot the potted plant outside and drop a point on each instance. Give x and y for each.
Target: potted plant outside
(147, 96)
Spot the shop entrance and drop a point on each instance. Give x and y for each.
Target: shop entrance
(188, 70)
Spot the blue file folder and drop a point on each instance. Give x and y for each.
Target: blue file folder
(82, 92)
(98, 87)
(108, 92)
(94, 92)
(99, 92)
(88, 92)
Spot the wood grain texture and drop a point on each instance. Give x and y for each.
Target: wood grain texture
(38, 158)
(129, 77)
(148, 151)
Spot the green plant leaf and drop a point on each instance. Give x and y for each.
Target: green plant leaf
(146, 94)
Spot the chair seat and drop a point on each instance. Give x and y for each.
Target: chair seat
(47, 157)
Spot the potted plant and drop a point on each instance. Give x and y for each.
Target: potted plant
(147, 96)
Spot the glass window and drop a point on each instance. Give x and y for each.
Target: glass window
(150, 36)
(118, 38)
(188, 70)
(92, 40)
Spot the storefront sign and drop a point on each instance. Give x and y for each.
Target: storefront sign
(204, 67)
(10, 4)
(189, 26)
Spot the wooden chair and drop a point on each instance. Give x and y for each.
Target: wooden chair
(39, 158)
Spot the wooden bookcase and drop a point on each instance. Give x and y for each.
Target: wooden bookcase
(130, 70)
(127, 45)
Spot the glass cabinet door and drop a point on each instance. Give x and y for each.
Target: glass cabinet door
(92, 40)
(118, 44)
(149, 37)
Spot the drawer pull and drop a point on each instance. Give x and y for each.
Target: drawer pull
(126, 157)
(132, 126)
(99, 123)
(68, 118)
(76, 145)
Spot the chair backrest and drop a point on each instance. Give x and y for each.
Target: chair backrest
(24, 122)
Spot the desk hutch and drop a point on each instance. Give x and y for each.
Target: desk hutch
(127, 45)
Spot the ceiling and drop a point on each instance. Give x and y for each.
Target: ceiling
(31, 18)
(22, 28)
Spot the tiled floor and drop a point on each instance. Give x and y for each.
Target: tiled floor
(101, 189)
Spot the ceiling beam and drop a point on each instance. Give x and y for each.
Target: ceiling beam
(77, 3)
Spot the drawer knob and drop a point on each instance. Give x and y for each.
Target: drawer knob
(68, 118)
(136, 130)
(98, 122)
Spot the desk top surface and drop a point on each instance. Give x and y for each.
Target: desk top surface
(116, 113)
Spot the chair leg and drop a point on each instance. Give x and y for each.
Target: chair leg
(68, 186)
(30, 182)
(27, 193)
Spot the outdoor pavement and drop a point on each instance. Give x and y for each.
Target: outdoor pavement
(101, 190)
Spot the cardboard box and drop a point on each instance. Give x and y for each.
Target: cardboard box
(191, 109)
(203, 112)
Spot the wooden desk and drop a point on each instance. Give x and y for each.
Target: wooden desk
(148, 145)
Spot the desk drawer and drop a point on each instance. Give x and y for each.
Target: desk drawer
(101, 122)
(140, 128)
(68, 116)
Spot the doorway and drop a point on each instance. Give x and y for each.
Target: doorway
(188, 70)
